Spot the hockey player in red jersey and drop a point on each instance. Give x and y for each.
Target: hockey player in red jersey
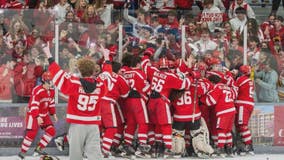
(187, 116)
(135, 107)
(112, 117)
(206, 86)
(41, 106)
(83, 113)
(187, 113)
(162, 82)
(244, 105)
(221, 97)
(214, 68)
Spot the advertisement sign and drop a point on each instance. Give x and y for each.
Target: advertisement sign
(278, 126)
(262, 124)
(11, 127)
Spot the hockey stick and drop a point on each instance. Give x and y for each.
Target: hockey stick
(194, 99)
(195, 89)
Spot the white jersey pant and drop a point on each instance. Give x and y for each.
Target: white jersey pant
(84, 139)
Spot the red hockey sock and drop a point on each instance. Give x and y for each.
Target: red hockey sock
(245, 134)
(221, 138)
(142, 133)
(158, 134)
(167, 135)
(47, 137)
(108, 139)
(229, 139)
(118, 136)
(129, 133)
(151, 134)
(29, 137)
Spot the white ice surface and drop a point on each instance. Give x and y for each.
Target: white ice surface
(255, 157)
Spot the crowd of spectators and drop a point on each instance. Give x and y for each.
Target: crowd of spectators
(216, 30)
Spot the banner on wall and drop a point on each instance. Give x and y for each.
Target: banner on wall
(262, 124)
(278, 126)
(11, 127)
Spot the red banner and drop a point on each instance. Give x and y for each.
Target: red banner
(278, 126)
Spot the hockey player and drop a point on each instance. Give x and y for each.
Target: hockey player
(187, 115)
(222, 98)
(112, 117)
(187, 110)
(162, 82)
(214, 68)
(41, 106)
(244, 105)
(206, 86)
(135, 107)
(82, 112)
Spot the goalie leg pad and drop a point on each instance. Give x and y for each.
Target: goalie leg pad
(178, 144)
(199, 142)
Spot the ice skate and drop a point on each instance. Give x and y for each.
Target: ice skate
(143, 151)
(153, 151)
(38, 151)
(219, 152)
(230, 151)
(160, 149)
(202, 155)
(59, 141)
(127, 151)
(21, 156)
(108, 155)
(247, 150)
(168, 153)
(116, 151)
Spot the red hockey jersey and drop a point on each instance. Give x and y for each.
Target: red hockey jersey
(137, 81)
(116, 86)
(83, 95)
(41, 102)
(222, 97)
(205, 84)
(246, 90)
(184, 107)
(163, 82)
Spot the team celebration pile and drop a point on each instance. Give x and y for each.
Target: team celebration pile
(144, 79)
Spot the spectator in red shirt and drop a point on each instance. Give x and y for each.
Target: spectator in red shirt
(24, 80)
(267, 25)
(6, 72)
(89, 15)
(80, 7)
(171, 21)
(278, 29)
